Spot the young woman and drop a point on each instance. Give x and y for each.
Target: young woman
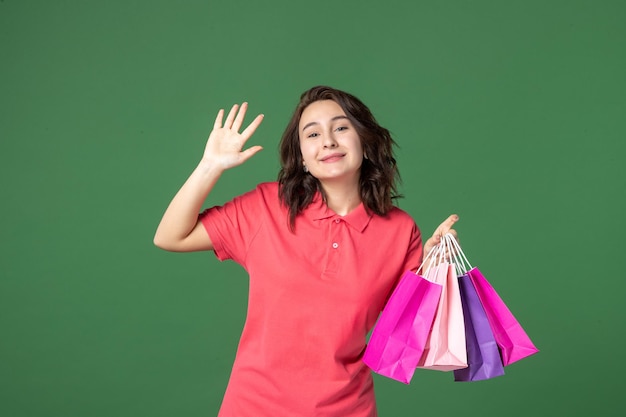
(324, 247)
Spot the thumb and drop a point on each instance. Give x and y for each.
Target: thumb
(445, 227)
(247, 154)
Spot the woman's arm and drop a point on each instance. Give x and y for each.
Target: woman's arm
(179, 229)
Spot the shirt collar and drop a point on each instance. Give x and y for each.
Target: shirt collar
(318, 210)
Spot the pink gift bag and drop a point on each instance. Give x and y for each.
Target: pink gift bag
(398, 339)
(446, 348)
(512, 340)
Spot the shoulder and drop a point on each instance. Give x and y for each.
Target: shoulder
(264, 196)
(261, 192)
(397, 215)
(398, 221)
(268, 188)
(267, 192)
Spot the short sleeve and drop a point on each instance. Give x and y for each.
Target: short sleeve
(412, 258)
(232, 227)
(415, 250)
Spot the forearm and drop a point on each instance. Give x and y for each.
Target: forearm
(181, 216)
(180, 229)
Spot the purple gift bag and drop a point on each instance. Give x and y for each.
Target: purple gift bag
(483, 356)
(398, 339)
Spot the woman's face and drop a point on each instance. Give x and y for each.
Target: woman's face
(331, 148)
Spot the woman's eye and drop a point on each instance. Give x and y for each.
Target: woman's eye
(340, 128)
(312, 135)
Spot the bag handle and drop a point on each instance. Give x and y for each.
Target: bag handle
(427, 258)
(439, 254)
(453, 255)
(447, 250)
(459, 254)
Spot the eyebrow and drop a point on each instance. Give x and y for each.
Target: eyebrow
(332, 120)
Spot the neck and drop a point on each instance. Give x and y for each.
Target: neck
(342, 199)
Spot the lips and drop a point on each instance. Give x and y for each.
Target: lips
(333, 157)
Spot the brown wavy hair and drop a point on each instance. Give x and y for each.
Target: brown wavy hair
(379, 172)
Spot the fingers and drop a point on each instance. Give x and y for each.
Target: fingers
(240, 116)
(445, 227)
(231, 117)
(218, 119)
(247, 154)
(235, 119)
(252, 126)
(437, 237)
(447, 224)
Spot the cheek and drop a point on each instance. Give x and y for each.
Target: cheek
(357, 144)
(306, 151)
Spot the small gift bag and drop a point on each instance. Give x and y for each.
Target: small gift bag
(445, 349)
(398, 339)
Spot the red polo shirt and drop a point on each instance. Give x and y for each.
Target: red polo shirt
(314, 294)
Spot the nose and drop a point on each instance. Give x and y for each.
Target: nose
(329, 140)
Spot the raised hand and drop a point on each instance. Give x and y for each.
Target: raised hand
(224, 147)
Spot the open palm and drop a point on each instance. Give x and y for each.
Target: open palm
(224, 147)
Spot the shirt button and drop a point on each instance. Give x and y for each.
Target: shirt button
(337, 220)
(335, 245)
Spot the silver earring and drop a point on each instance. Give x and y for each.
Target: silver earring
(365, 156)
(306, 169)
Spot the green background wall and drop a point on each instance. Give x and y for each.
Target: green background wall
(510, 113)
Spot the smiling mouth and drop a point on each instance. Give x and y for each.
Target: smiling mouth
(332, 158)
